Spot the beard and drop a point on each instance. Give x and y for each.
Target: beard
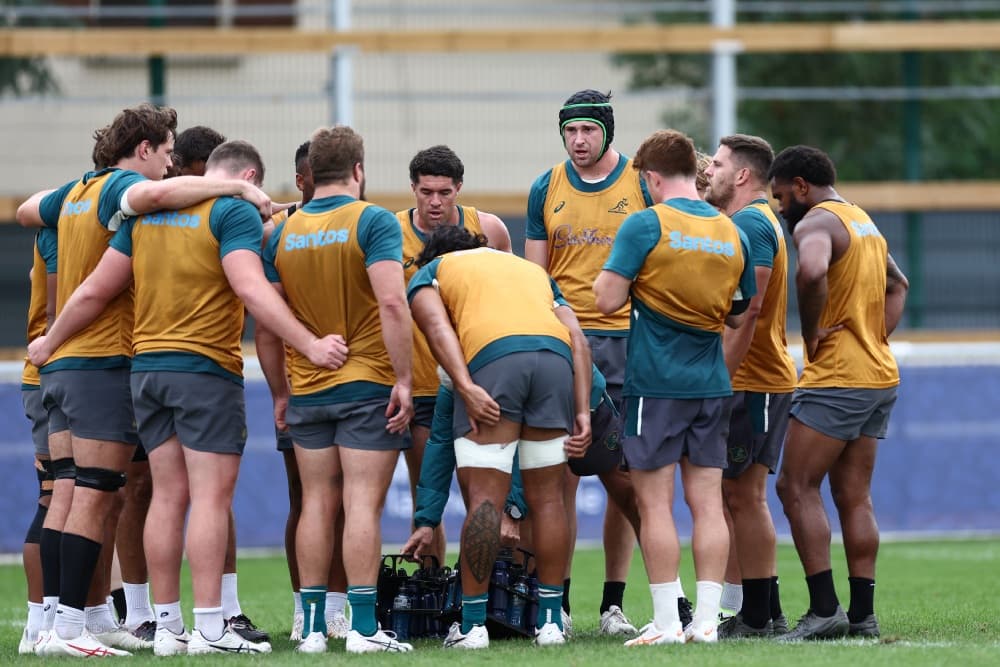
(361, 189)
(720, 196)
(793, 213)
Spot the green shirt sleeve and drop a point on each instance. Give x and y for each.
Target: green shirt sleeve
(438, 464)
(639, 233)
(535, 229)
(271, 252)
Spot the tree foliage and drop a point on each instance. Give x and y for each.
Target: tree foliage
(866, 138)
(24, 76)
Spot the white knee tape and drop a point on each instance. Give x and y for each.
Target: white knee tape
(541, 453)
(469, 454)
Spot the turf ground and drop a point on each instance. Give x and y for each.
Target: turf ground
(936, 601)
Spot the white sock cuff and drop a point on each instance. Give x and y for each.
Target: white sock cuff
(230, 596)
(709, 597)
(335, 602)
(665, 613)
(136, 595)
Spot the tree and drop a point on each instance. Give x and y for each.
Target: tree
(21, 76)
(864, 137)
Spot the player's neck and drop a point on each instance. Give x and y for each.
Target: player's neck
(820, 195)
(335, 190)
(743, 199)
(427, 228)
(600, 169)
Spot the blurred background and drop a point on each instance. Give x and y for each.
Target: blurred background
(903, 94)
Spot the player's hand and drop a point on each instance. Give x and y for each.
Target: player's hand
(330, 351)
(260, 199)
(420, 543)
(480, 407)
(280, 407)
(576, 445)
(812, 344)
(399, 412)
(38, 352)
(276, 207)
(510, 531)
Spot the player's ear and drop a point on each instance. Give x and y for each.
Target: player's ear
(800, 187)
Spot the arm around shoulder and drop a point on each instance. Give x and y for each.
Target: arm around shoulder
(29, 212)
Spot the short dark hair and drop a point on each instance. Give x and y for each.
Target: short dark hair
(810, 164)
(668, 153)
(333, 152)
(437, 161)
(301, 157)
(449, 238)
(236, 156)
(130, 128)
(751, 152)
(196, 143)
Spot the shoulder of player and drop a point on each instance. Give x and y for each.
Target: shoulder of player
(494, 229)
(819, 221)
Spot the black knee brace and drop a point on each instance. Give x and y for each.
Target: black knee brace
(43, 468)
(34, 535)
(63, 468)
(100, 479)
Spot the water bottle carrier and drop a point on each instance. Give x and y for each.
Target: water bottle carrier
(432, 608)
(435, 596)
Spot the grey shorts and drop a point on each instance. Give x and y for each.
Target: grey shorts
(609, 354)
(532, 388)
(659, 431)
(354, 425)
(757, 426)
(423, 411)
(845, 414)
(205, 411)
(33, 410)
(283, 440)
(93, 403)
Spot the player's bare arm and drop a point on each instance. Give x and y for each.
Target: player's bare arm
(537, 251)
(896, 288)
(576, 445)
(112, 275)
(183, 191)
(819, 237)
(432, 318)
(736, 339)
(397, 333)
(611, 291)
(495, 231)
(271, 356)
(245, 274)
(28, 213)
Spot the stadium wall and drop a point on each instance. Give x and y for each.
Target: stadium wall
(936, 470)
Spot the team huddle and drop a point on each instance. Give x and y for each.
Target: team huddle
(643, 331)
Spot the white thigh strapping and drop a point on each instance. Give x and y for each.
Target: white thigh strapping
(469, 454)
(541, 453)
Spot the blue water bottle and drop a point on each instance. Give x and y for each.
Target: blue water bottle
(401, 613)
(498, 588)
(518, 603)
(531, 611)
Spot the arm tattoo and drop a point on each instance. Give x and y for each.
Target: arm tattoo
(481, 540)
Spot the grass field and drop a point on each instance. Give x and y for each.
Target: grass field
(936, 601)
